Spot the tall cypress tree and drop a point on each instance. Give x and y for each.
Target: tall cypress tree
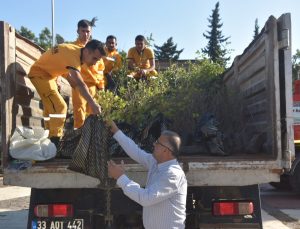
(168, 51)
(214, 48)
(256, 29)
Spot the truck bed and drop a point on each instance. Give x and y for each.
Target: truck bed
(261, 75)
(200, 170)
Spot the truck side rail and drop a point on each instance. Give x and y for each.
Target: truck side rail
(20, 102)
(262, 74)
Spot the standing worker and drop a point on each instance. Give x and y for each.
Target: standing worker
(92, 75)
(141, 60)
(164, 197)
(64, 59)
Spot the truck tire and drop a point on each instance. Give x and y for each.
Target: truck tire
(284, 183)
(295, 179)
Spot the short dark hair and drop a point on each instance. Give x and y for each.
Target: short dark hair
(110, 37)
(95, 44)
(86, 23)
(140, 38)
(174, 141)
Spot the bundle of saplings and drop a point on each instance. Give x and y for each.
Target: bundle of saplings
(180, 98)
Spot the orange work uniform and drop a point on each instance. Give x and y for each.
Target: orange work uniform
(141, 61)
(93, 78)
(112, 62)
(43, 74)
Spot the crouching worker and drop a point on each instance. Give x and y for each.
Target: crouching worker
(113, 61)
(141, 60)
(164, 197)
(64, 59)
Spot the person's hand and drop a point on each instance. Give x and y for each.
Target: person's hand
(58, 83)
(142, 72)
(114, 170)
(112, 125)
(96, 109)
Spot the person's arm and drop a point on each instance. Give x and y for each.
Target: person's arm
(163, 189)
(131, 64)
(133, 150)
(150, 56)
(75, 80)
(130, 59)
(152, 66)
(118, 63)
(129, 146)
(144, 71)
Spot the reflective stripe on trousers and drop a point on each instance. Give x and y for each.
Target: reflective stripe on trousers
(53, 103)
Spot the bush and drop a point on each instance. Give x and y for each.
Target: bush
(181, 94)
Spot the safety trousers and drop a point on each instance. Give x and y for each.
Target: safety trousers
(80, 106)
(54, 106)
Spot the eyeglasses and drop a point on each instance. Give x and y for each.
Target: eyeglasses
(157, 142)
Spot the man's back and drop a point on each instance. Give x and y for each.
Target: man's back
(55, 61)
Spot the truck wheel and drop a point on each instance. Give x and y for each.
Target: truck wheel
(295, 179)
(284, 183)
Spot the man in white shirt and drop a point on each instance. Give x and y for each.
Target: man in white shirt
(164, 197)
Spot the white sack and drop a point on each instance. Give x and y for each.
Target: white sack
(31, 144)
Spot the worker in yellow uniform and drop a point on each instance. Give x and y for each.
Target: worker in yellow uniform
(112, 61)
(64, 59)
(141, 60)
(93, 76)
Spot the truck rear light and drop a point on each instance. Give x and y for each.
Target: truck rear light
(54, 210)
(232, 208)
(296, 131)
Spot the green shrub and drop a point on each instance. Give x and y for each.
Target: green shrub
(181, 94)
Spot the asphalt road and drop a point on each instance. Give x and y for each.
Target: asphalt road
(280, 209)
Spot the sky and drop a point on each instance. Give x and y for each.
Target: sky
(185, 21)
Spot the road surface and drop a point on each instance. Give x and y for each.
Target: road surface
(281, 209)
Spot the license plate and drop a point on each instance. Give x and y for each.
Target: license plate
(58, 224)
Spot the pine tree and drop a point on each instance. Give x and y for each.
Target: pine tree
(27, 33)
(214, 48)
(59, 39)
(168, 51)
(256, 29)
(45, 39)
(149, 40)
